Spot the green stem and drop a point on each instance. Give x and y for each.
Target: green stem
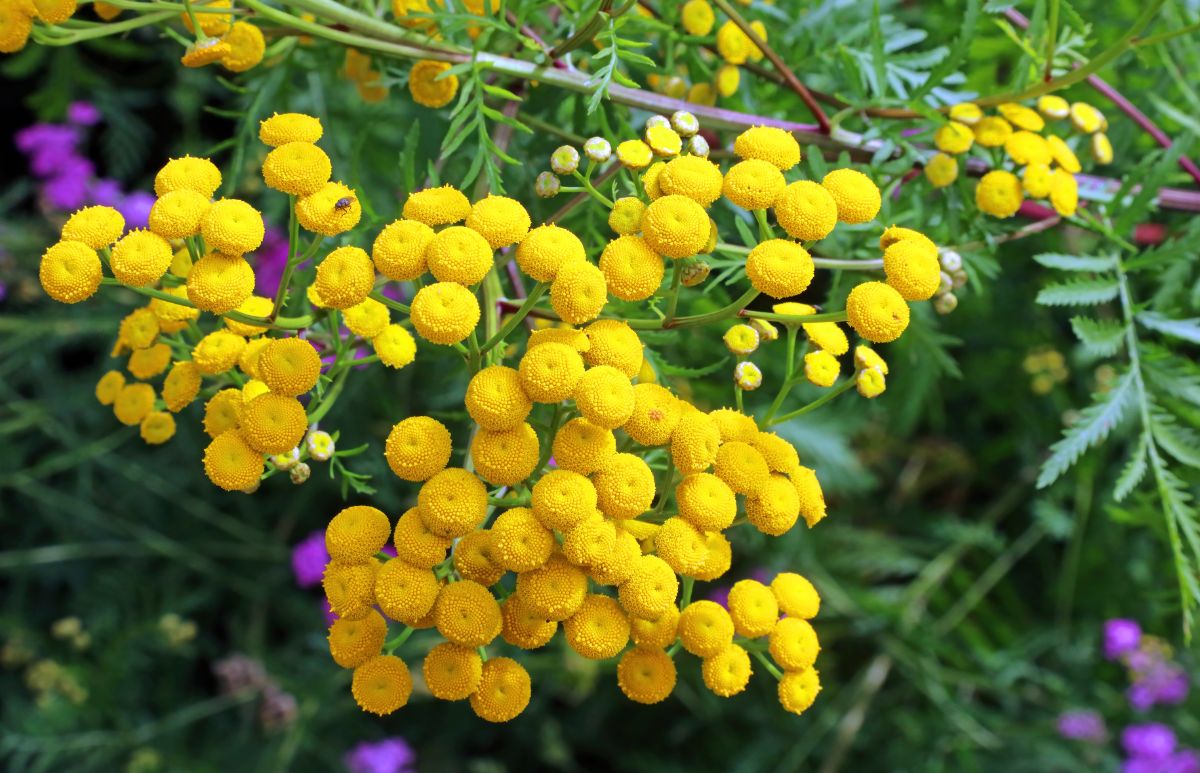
(1161, 37)
(102, 30)
(548, 445)
(393, 644)
(685, 597)
(199, 33)
(664, 488)
(286, 279)
(517, 318)
(326, 403)
(1051, 39)
(491, 307)
(591, 189)
(815, 404)
(797, 319)
(508, 502)
(673, 298)
(473, 353)
(785, 386)
(738, 399)
(767, 664)
(386, 301)
(765, 232)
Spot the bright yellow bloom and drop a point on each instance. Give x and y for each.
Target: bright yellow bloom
(626, 216)
(728, 672)
(196, 174)
(753, 608)
(821, 368)
(954, 138)
(779, 268)
(999, 193)
(912, 268)
(697, 178)
(993, 132)
(634, 154)
(857, 196)
(520, 543)
(523, 627)
(753, 184)
(1063, 155)
(794, 644)
(404, 592)
(729, 77)
(1102, 149)
(806, 210)
(399, 250)
(870, 382)
(705, 628)
(354, 642)
(555, 590)
(217, 352)
(507, 457)
(877, 312)
(582, 447)
(941, 170)
(966, 112)
(133, 403)
(289, 366)
(1025, 147)
(1064, 192)
(798, 690)
(220, 283)
(222, 412)
(599, 629)
(444, 313)
(500, 220)
(205, 52)
(429, 87)
(812, 500)
(147, 363)
(604, 396)
(697, 17)
(232, 227)
(458, 254)
(356, 534)
(624, 486)
(331, 210)
(706, 502)
(578, 292)
(675, 226)
(681, 545)
(395, 346)
(503, 691)
(550, 372)
(212, 24)
(140, 258)
(694, 442)
(741, 339)
(650, 590)
(109, 386)
(452, 672)
(418, 448)
(663, 140)
(1053, 107)
(545, 250)
(452, 503)
(274, 424)
(733, 45)
(97, 227)
(796, 595)
(741, 467)
(496, 400)
(416, 544)
(1087, 119)
(230, 463)
(1022, 117)
(656, 412)
(646, 675)
(367, 319)
(246, 47)
(632, 271)
(381, 685)
(298, 168)
(70, 272)
(776, 507)
(282, 128)
(467, 614)
(655, 633)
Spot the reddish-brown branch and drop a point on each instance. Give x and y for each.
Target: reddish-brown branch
(1123, 104)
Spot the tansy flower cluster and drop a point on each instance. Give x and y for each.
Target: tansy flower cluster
(193, 259)
(1022, 161)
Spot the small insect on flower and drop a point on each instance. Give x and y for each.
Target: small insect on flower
(343, 203)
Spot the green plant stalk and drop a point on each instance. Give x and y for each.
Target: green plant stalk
(394, 643)
(591, 189)
(327, 402)
(802, 319)
(293, 244)
(664, 487)
(765, 232)
(1051, 39)
(785, 387)
(548, 446)
(535, 293)
(199, 33)
(767, 664)
(386, 301)
(673, 297)
(685, 597)
(282, 323)
(815, 404)
(100, 30)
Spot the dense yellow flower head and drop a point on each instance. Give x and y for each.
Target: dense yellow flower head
(345, 277)
(877, 312)
(617, 565)
(779, 454)
(381, 685)
(274, 424)
(429, 87)
(140, 258)
(632, 271)
(626, 216)
(132, 403)
(646, 675)
(332, 209)
(857, 197)
(954, 138)
(735, 46)
(70, 272)
(794, 644)
(657, 632)
(697, 17)
(452, 502)
(741, 467)
(768, 143)
(729, 77)
(681, 545)
(289, 366)
(395, 346)
(356, 534)
(779, 268)
(775, 508)
(806, 210)
(554, 590)
(808, 489)
(500, 220)
(545, 250)
(578, 292)
(720, 557)
(753, 184)
(97, 227)
(452, 672)
(604, 396)
(496, 400)
(506, 457)
(599, 629)
(650, 590)
(196, 174)
(798, 690)
(367, 319)
(694, 442)
(109, 386)
(220, 283)
(404, 592)
(562, 499)
(728, 672)
(354, 642)
(656, 413)
(941, 170)
(138, 329)
(663, 140)
(520, 543)
(399, 250)
(550, 372)
(177, 214)
(999, 193)
(1063, 155)
(444, 313)
(1025, 147)
(16, 25)
(246, 47)
(968, 113)
(232, 226)
(467, 614)
(624, 486)
(437, 206)
(753, 608)
(218, 351)
(993, 132)
(675, 226)
(503, 691)
(1021, 116)
(297, 168)
(222, 412)
(796, 595)
(705, 628)
(350, 588)
(416, 544)
(524, 627)
(230, 462)
(697, 178)
(459, 254)
(211, 24)
(634, 154)
(147, 363)
(1064, 192)
(282, 128)
(912, 268)
(734, 425)
(613, 342)
(706, 502)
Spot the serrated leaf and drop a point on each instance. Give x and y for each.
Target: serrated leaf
(1179, 441)
(1133, 471)
(1101, 336)
(1169, 374)
(957, 54)
(1187, 329)
(500, 91)
(743, 228)
(1078, 292)
(1095, 423)
(1075, 262)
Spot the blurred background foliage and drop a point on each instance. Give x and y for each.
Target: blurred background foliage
(963, 606)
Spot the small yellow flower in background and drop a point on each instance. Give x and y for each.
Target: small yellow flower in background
(870, 382)
(728, 79)
(663, 140)
(967, 113)
(282, 128)
(999, 193)
(1064, 192)
(1022, 117)
(1102, 149)
(747, 376)
(941, 170)
(634, 154)
(992, 131)
(741, 339)
(1063, 155)
(1035, 180)
(1087, 119)
(1053, 107)
(877, 312)
(858, 198)
(1025, 147)
(733, 45)
(954, 138)
(697, 17)
(821, 368)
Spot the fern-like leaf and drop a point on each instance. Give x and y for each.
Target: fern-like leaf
(1133, 471)
(1179, 441)
(1100, 336)
(1187, 329)
(1075, 262)
(1095, 423)
(1078, 292)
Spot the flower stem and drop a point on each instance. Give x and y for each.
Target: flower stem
(386, 301)
(685, 598)
(815, 404)
(591, 189)
(517, 318)
(786, 385)
(282, 323)
(765, 232)
(326, 403)
(767, 664)
(673, 298)
(394, 643)
(828, 316)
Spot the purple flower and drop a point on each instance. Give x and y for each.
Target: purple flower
(105, 192)
(1121, 637)
(391, 755)
(65, 192)
(1186, 761)
(83, 114)
(136, 209)
(309, 558)
(269, 262)
(46, 136)
(720, 595)
(1082, 726)
(1151, 740)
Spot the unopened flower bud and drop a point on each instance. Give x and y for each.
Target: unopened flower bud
(684, 123)
(657, 120)
(946, 284)
(564, 160)
(320, 445)
(741, 339)
(946, 303)
(959, 277)
(950, 260)
(597, 149)
(300, 473)
(766, 331)
(747, 376)
(698, 146)
(546, 186)
(870, 382)
(287, 460)
(694, 273)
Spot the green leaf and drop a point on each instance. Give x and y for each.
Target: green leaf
(743, 228)
(1133, 471)
(1179, 441)
(1187, 329)
(1078, 292)
(1095, 423)
(1075, 262)
(408, 157)
(1102, 336)
(956, 56)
